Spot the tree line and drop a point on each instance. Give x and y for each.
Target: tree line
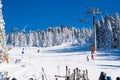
(50, 37)
(107, 33)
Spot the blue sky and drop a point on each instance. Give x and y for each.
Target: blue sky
(41, 14)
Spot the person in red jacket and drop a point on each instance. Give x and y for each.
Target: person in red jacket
(92, 49)
(6, 58)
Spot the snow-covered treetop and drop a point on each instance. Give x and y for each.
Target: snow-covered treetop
(0, 4)
(1, 16)
(116, 15)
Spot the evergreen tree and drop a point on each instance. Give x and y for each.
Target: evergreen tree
(30, 39)
(49, 38)
(56, 36)
(116, 30)
(108, 34)
(2, 35)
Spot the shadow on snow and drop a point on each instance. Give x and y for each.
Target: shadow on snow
(111, 66)
(72, 48)
(110, 54)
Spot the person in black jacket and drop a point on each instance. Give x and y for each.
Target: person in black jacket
(102, 76)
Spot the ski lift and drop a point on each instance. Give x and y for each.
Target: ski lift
(83, 21)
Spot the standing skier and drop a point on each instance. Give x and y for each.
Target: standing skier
(6, 58)
(38, 50)
(92, 56)
(87, 57)
(92, 52)
(22, 53)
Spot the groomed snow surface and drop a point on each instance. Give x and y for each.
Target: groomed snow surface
(54, 60)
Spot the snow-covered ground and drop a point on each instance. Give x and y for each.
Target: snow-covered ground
(54, 60)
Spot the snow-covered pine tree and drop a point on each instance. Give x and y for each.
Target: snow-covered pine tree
(15, 40)
(99, 34)
(83, 36)
(63, 33)
(2, 35)
(44, 39)
(60, 36)
(70, 38)
(9, 39)
(116, 30)
(30, 39)
(88, 33)
(21, 39)
(56, 36)
(40, 37)
(50, 37)
(104, 33)
(108, 33)
(35, 39)
(75, 36)
(49, 33)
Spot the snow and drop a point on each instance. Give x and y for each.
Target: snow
(54, 60)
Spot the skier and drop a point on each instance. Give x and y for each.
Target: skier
(117, 78)
(22, 53)
(38, 50)
(87, 57)
(14, 79)
(6, 58)
(92, 52)
(92, 56)
(23, 49)
(7, 77)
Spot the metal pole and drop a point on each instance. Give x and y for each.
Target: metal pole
(94, 33)
(94, 12)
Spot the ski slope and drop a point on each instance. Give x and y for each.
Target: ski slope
(54, 60)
